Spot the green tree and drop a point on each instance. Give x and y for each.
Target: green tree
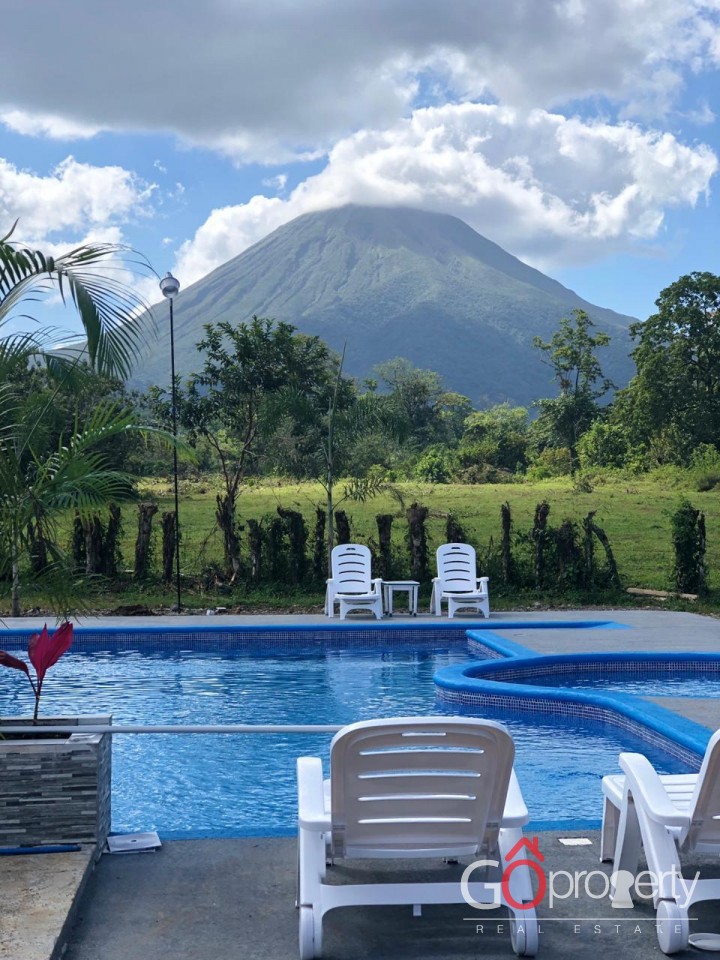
(497, 436)
(438, 464)
(256, 379)
(423, 411)
(676, 392)
(571, 353)
(58, 408)
(327, 445)
(43, 473)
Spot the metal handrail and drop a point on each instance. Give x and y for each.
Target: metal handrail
(174, 728)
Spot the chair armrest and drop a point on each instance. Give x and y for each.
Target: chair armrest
(643, 781)
(515, 813)
(483, 582)
(377, 585)
(311, 800)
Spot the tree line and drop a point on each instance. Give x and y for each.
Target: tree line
(267, 400)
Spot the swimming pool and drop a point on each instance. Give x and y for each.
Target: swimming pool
(203, 785)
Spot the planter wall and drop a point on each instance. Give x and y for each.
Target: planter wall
(55, 790)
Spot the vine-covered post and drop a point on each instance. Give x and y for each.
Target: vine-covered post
(454, 532)
(689, 543)
(417, 539)
(168, 545)
(227, 522)
(277, 566)
(592, 527)
(539, 536)
(505, 550)
(384, 523)
(342, 527)
(112, 557)
(320, 545)
(297, 536)
(143, 544)
(255, 545)
(94, 536)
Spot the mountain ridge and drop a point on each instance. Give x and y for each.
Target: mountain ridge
(395, 281)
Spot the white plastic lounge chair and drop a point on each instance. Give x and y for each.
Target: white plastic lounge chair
(671, 817)
(457, 581)
(351, 585)
(413, 787)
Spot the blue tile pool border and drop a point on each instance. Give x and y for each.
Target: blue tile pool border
(368, 634)
(497, 681)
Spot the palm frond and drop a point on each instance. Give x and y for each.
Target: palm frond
(114, 316)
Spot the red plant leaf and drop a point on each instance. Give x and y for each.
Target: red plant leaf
(45, 650)
(9, 661)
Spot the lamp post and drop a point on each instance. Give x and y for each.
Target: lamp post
(170, 287)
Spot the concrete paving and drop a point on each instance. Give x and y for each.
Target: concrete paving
(230, 899)
(212, 899)
(653, 629)
(37, 893)
(650, 630)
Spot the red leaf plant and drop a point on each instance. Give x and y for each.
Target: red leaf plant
(44, 650)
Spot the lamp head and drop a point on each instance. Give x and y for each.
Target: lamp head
(169, 286)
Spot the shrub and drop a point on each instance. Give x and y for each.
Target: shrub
(688, 535)
(486, 473)
(550, 462)
(705, 467)
(437, 465)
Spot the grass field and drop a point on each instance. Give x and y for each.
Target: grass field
(635, 515)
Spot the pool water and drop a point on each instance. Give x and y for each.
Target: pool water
(225, 785)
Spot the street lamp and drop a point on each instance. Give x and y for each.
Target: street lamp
(170, 287)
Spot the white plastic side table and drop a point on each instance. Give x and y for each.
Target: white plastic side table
(391, 587)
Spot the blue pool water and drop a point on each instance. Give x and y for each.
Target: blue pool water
(224, 785)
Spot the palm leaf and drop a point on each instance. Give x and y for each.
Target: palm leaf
(114, 316)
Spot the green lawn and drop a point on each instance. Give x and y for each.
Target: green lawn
(634, 514)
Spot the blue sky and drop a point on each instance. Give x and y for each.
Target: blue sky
(580, 135)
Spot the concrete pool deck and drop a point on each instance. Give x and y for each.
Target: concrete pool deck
(224, 900)
(228, 898)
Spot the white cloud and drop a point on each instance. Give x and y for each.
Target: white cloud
(550, 189)
(270, 80)
(278, 182)
(46, 125)
(74, 199)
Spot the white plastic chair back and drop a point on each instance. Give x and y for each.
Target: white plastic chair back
(419, 786)
(351, 568)
(457, 567)
(705, 805)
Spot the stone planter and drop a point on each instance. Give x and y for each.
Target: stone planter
(55, 789)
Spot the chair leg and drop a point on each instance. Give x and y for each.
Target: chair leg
(609, 830)
(628, 844)
(311, 870)
(435, 601)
